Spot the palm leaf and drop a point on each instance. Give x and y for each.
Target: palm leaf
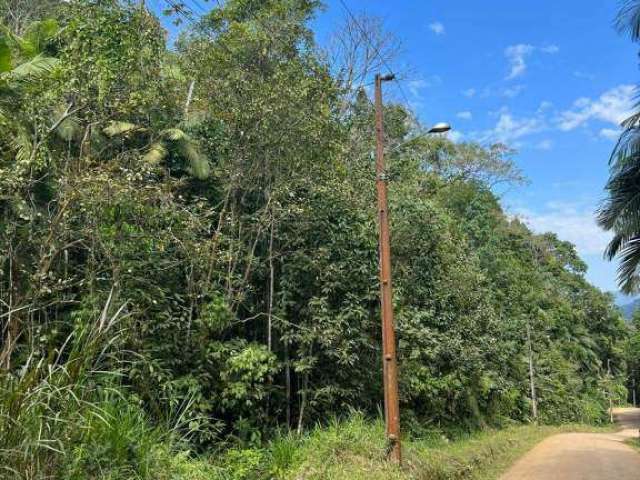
(157, 153)
(187, 148)
(115, 129)
(37, 67)
(21, 143)
(628, 271)
(632, 121)
(198, 164)
(628, 20)
(174, 135)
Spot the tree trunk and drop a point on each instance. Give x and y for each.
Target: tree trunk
(10, 328)
(534, 397)
(271, 287)
(287, 380)
(303, 403)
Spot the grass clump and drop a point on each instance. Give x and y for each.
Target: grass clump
(355, 450)
(65, 416)
(633, 442)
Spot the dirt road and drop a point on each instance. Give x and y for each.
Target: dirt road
(584, 456)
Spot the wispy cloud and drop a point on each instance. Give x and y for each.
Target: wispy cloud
(517, 56)
(574, 222)
(545, 144)
(613, 106)
(512, 92)
(509, 129)
(417, 86)
(610, 134)
(437, 28)
(469, 93)
(552, 49)
(464, 115)
(610, 108)
(545, 105)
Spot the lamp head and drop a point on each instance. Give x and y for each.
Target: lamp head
(440, 128)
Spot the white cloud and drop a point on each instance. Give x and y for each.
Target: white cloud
(417, 86)
(571, 222)
(610, 134)
(552, 49)
(508, 128)
(469, 93)
(504, 92)
(518, 54)
(613, 106)
(437, 28)
(464, 115)
(544, 106)
(512, 92)
(545, 144)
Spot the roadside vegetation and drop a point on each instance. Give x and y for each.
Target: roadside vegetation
(188, 261)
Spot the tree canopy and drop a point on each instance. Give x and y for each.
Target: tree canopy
(204, 218)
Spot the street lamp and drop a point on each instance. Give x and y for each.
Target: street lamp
(390, 368)
(440, 128)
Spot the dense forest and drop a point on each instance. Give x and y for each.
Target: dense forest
(189, 250)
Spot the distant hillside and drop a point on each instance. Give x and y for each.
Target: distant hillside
(629, 308)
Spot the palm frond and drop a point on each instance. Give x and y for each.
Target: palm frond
(622, 207)
(632, 121)
(626, 149)
(174, 135)
(35, 68)
(115, 128)
(628, 19)
(628, 277)
(198, 164)
(157, 153)
(621, 210)
(22, 145)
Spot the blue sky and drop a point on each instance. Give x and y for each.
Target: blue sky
(550, 78)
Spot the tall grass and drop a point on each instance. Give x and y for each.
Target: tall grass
(63, 415)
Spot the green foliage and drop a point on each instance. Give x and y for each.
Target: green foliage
(620, 212)
(223, 192)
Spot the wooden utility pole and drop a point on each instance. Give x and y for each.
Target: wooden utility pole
(532, 377)
(610, 390)
(389, 359)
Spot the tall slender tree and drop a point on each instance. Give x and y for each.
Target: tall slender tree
(620, 212)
